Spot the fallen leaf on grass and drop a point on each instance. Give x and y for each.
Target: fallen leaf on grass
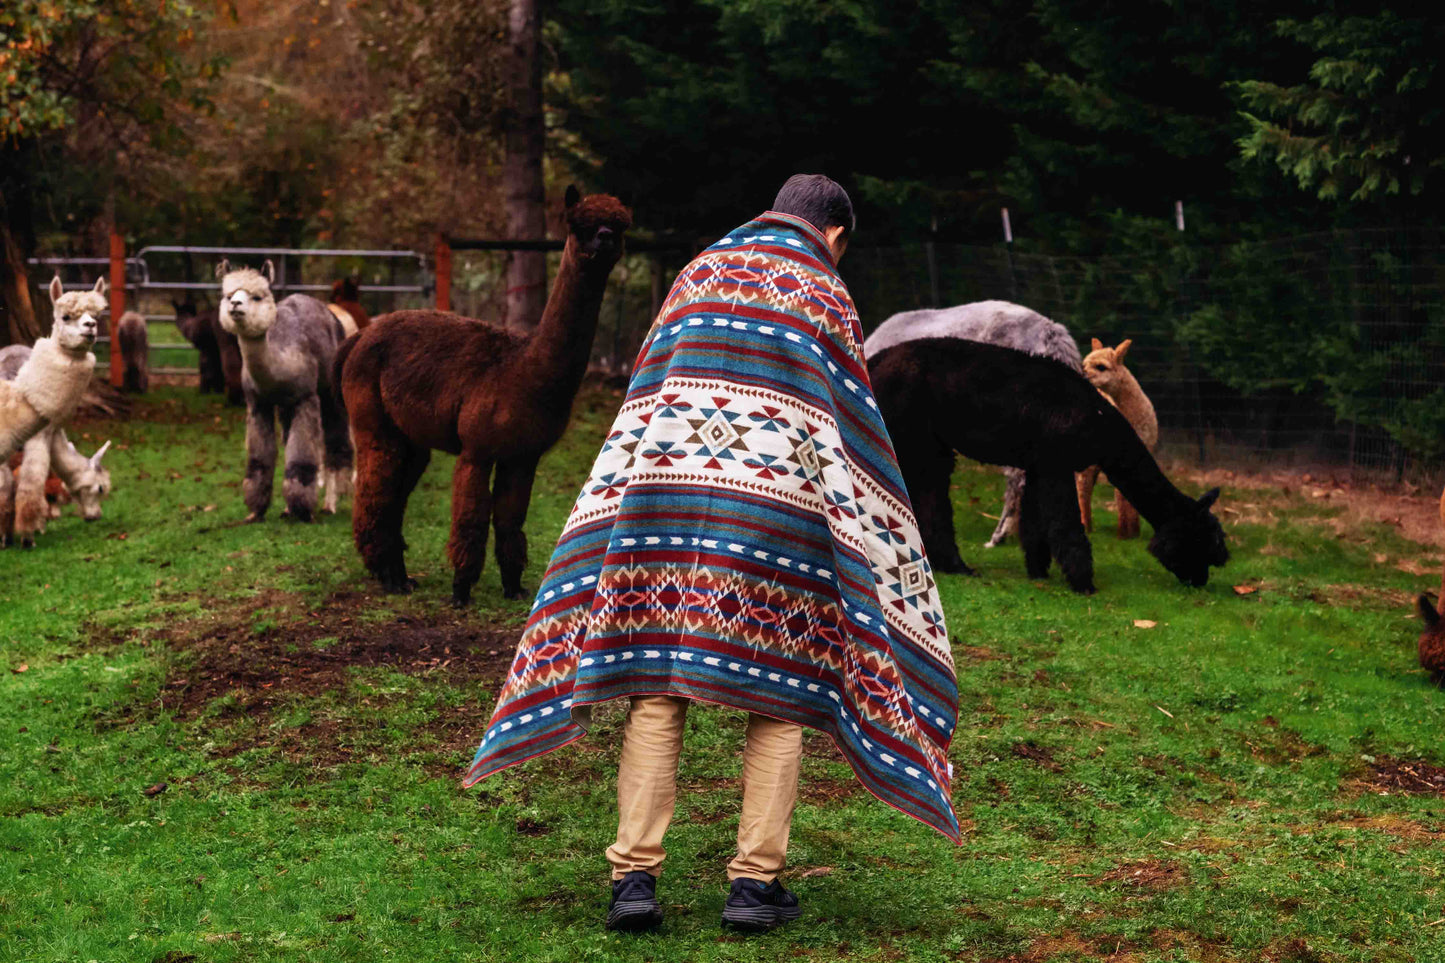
(1144, 623)
(22, 667)
(817, 871)
(155, 790)
(1245, 589)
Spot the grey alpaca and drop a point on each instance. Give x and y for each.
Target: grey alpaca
(1003, 323)
(287, 350)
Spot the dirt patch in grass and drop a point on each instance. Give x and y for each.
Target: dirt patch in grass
(1416, 778)
(1042, 755)
(264, 650)
(1277, 746)
(1414, 512)
(1401, 827)
(1153, 875)
(1346, 594)
(1071, 945)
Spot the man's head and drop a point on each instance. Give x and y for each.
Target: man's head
(822, 202)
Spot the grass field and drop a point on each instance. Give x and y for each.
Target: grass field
(1250, 777)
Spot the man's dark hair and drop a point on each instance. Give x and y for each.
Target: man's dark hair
(819, 200)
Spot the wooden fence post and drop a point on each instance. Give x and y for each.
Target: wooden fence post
(117, 305)
(444, 273)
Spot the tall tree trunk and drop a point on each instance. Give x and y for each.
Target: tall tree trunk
(526, 201)
(18, 323)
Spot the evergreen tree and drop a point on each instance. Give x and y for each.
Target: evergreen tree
(1368, 121)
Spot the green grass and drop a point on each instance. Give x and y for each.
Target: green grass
(1199, 790)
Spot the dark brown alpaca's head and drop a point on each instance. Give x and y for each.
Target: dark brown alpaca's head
(598, 222)
(346, 289)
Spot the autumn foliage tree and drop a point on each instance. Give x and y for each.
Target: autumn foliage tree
(93, 92)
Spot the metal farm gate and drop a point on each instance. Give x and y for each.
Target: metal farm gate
(147, 280)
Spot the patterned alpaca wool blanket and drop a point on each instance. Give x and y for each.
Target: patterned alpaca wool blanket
(744, 537)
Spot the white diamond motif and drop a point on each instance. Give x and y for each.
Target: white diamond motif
(807, 456)
(912, 578)
(718, 433)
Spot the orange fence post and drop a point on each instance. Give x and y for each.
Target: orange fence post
(117, 305)
(444, 273)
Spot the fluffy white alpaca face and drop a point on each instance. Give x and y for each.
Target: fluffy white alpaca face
(248, 309)
(94, 486)
(76, 316)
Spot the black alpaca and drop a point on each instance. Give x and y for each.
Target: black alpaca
(939, 396)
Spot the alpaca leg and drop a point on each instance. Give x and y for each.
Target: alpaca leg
(305, 448)
(926, 474)
(339, 451)
(379, 505)
(1008, 519)
(7, 505)
(471, 514)
(1084, 481)
(31, 509)
(1033, 529)
(260, 458)
(1058, 505)
(1128, 516)
(511, 492)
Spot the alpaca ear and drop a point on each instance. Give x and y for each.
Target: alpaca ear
(1208, 498)
(223, 268)
(95, 458)
(268, 271)
(573, 195)
(56, 289)
(99, 285)
(1096, 343)
(1122, 349)
(1428, 613)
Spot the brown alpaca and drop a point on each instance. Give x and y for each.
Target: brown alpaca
(220, 361)
(345, 306)
(134, 351)
(1104, 367)
(1431, 647)
(418, 380)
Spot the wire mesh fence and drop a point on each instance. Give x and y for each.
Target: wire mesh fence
(1324, 348)
(1318, 349)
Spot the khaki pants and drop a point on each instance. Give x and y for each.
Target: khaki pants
(647, 789)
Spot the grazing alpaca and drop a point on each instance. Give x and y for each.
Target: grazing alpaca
(345, 306)
(1104, 367)
(1431, 647)
(220, 362)
(51, 381)
(1002, 323)
(48, 473)
(418, 380)
(941, 395)
(134, 345)
(287, 353)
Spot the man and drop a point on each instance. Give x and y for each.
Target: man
(745, 539)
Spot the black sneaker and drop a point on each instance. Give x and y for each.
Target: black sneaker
(754, 907)
(634, 905)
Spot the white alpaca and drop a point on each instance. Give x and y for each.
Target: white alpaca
(53, 379)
